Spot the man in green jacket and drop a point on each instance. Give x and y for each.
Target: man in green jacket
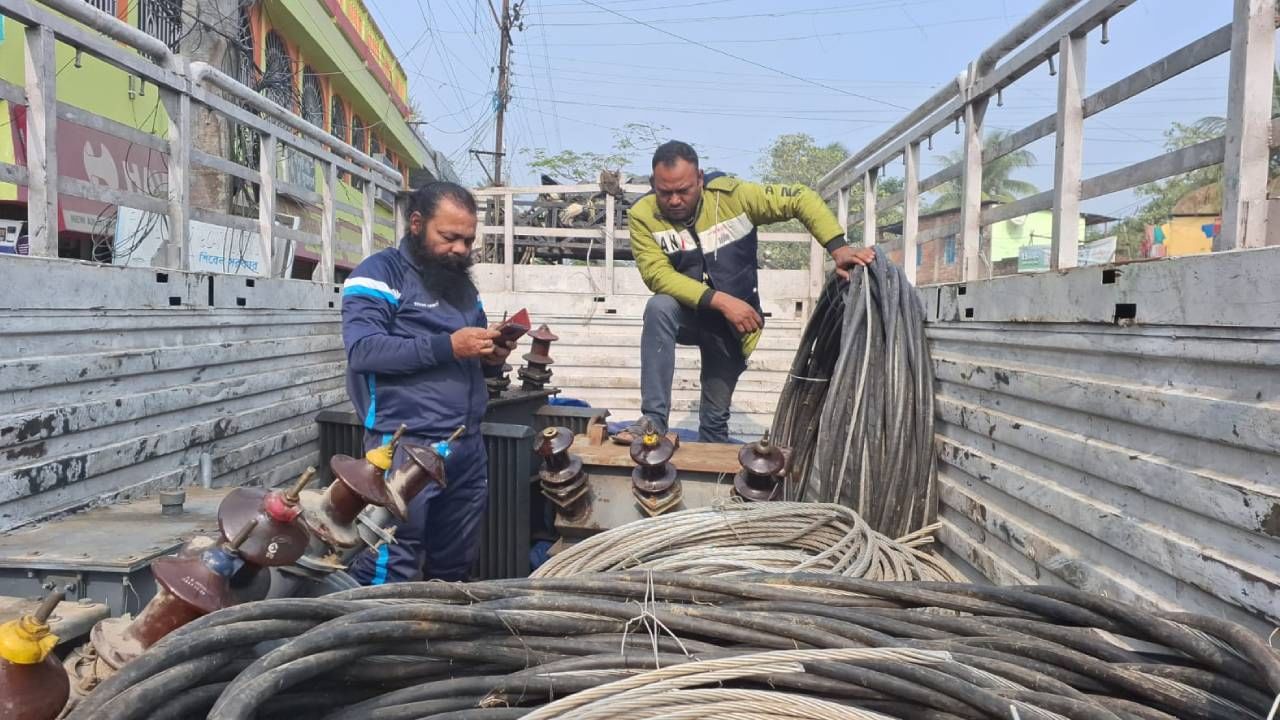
(694, 241)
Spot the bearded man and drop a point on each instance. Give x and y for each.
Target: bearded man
(418, 349)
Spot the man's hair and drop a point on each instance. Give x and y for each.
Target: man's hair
(426, 199)
(672, 150)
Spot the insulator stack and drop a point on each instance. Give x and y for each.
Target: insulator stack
(498, 385)
(653, 481)
(537, 371)
(563, 479)
(763, 468)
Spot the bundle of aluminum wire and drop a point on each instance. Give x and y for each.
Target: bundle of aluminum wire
(857, 408)
(736, 538)
(673, 645)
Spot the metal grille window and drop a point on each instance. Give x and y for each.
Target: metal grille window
(312, 98)
(375, 145)
(338, 119)
(106, 6)
(161, 19)
(277, 73)
(358, 134)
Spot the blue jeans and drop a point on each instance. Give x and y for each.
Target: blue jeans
(668, 323)
(441, 538)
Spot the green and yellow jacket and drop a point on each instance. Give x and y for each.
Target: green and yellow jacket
(718, 251)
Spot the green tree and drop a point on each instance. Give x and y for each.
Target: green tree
(998, 182)
(798, 158)
(630, 141)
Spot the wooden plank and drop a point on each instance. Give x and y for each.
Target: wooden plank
(328, 223)
(297, 192)
(42, 148)
(1211, 567)
(98, 44)
(12, 93)
(1183, 160)
(223, 165)
(79, 116)
(506, 190)
(869, 207)
(1017, 208)
(92, 191)
(1069, 152)
(690, 456)
(971, 184)
(16, 174)
(610, 231)
(508, 242)
(1249, 90)
(235, 222)
(268, 159)
(178, 108)
(253, 121)
(911, 210)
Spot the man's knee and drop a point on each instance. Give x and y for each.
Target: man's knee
(662, 309)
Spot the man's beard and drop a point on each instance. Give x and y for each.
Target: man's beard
(447, 276)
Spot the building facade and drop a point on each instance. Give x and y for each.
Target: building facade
(326, 60)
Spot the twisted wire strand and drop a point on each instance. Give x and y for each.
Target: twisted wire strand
(735, 538)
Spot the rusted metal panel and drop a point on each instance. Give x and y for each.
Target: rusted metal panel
(1220, 290)
(1138, 460)
(106, 398)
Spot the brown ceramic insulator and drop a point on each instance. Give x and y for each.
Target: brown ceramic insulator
(539, 360)
(359, 483)
(424, 466)
(271, 543)
(657, 503)
(553, 447)
(757, 488)
(542, 336)
(652, 455)
(33, 692)
(653, 479)
(164, 614)
(762, 458)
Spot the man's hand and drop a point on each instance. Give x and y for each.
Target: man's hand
(501, 348)
(741, 316)
(849, 257)
(473, 342)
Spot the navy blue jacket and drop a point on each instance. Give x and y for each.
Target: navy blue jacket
(400, 362)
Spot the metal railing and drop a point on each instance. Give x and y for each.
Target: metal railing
(608, 233)
(180, 84)
(1058, 33)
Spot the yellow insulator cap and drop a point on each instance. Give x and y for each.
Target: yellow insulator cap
(380, 457)
(651, 439)
(26, 641)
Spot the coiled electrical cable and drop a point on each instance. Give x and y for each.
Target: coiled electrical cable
(736, 537)
(654, 644)
(857, 407)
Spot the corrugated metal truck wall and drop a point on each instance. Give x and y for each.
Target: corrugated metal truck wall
(1118, 430)
(504, 541)
(114, 380)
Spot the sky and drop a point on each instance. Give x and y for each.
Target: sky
(729, 76)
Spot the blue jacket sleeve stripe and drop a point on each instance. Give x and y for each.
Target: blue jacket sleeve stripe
(380, 568)
(372, 416)
(370, 292)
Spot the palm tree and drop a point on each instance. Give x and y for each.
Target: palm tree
(997, 181)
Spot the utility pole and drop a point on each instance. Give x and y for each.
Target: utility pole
(504, 81)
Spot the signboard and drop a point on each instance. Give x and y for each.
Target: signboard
(98, 158)
(211, 248)
(1033, 258)
(11, 240)
(1098, 252)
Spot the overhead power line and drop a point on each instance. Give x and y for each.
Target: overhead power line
(739, 58)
